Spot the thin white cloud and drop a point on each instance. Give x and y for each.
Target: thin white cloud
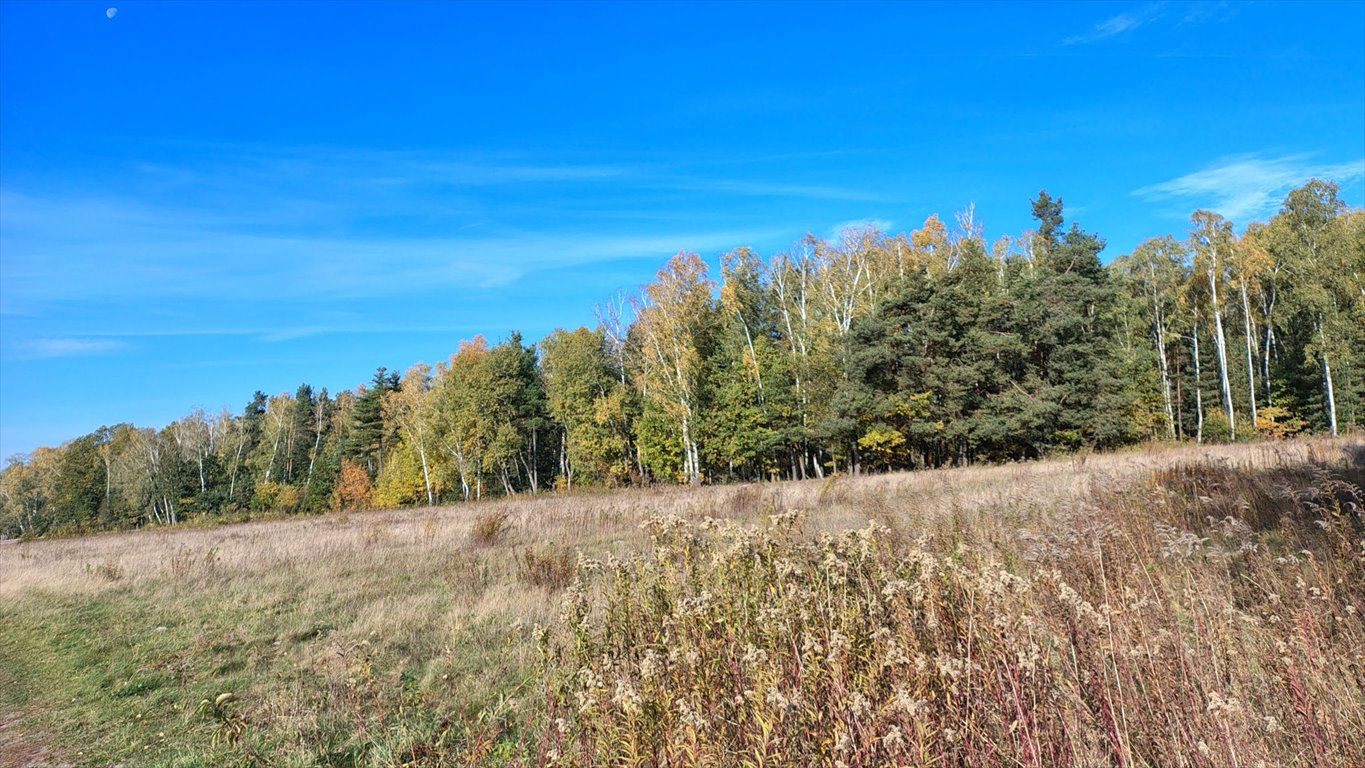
(112, 250)
(1119, 24)
(1247, 187)
(253, 241)
(66, 347)
(492, 174)
(773, 189)
(1180, 15)
(377, 175)
(1208, 10)
(858, 225)
(477, 168)
(292, 334)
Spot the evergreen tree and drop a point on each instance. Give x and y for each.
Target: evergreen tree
(871, 352)
(302, 436)
(368, 434)
(251, 426)
(1064, 311)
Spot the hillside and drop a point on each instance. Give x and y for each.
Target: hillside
(409, 637)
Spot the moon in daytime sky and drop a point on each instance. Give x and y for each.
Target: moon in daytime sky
(110, 12)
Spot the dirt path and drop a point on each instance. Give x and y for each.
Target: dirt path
(22, 747)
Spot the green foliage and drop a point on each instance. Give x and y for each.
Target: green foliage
(586, 396)
(368, 435)
(317, 496)
(275, 498)
(491, 418)
(523, 440)
(674, 335)
(658, 446)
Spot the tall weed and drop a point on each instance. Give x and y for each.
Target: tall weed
(1209, 616)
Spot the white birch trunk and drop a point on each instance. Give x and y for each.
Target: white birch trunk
(1198, 386)
(1251, 365)
(1327, 382)
(426, 474)
(1220, 345)
(1165, 380)
(1159, 323)
(274, 450)
(317, 440)
(236, 462)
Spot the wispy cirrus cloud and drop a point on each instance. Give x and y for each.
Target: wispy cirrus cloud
(857, 226)
(1207, 11)
(271, 223)
(771, 189)
(280, 248)
(45, 347)
(1119, 24)
(128, 252)
(1149, 14)
(1249, 186)
(313, 176)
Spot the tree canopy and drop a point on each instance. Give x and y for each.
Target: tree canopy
(869, 352)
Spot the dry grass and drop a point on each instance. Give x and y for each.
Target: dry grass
(318, 548)
(405, 637)
(1206, 614)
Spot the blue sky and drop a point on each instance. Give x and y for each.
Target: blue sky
(202, 200)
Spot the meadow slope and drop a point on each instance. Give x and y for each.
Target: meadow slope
(409, 637)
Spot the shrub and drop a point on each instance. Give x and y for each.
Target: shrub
(271, 496)
(1144, 633)
(352, 489)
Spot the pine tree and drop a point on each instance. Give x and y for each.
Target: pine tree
(368, 434)
(1064, 311)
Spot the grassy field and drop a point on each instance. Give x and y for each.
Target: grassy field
(1178, 606)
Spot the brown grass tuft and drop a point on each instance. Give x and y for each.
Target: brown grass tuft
(546, 566)
(489, 527)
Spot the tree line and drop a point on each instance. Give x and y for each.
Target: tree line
(870, 352)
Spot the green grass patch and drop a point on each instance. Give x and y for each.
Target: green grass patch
(131, 677)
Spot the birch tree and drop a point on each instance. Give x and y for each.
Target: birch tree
(1268, 285)
(466, 428)
(1310, 236)
(412, 409)
(279, 422)
(673, 319)
(1211, 238)
(1248, 264)
(793, 282)
(1156, 271)
(585, 397)
(194, 437)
